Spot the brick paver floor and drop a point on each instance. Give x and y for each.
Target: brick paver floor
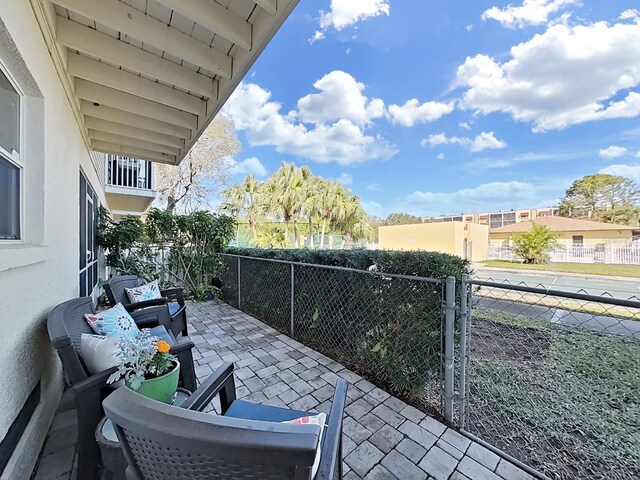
(384, 438)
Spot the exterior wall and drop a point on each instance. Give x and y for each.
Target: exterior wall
(42, 270)
(444, 237)
(592, 237)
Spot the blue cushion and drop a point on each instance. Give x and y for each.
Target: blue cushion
(173, 308)
(265, 413)
(161, 333)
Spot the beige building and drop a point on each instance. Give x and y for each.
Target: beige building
(570, 231)
(468, 241)
(80, 79)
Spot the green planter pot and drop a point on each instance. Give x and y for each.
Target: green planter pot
(162, 388)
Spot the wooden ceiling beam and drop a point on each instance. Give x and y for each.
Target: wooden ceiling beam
(106, 147)
(133, 132)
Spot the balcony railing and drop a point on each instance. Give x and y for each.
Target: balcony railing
(129, 172)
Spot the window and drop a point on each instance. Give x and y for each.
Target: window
(10, 166)
(578, 240)
(88, 248)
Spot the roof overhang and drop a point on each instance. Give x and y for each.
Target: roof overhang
(146, 77)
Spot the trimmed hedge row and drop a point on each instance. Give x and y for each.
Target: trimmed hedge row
(417, 263)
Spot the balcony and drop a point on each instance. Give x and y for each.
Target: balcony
(129, 185)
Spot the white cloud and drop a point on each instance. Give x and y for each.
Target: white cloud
(345, 13)
(374, 187)
(630, 14)
(343, 141)
(374, 208)
(413, 112)
(613, 152)
(464, 125)
(250, 166)
(479, 165)
(340, 97)
(562, 77)
(440, 156)
(627, 171)
(483, 141)
(345, 178)
(531, 12)
(488, 196)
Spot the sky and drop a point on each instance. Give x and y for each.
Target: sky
(436, 107)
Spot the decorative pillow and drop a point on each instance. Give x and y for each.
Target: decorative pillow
(99, 353)
(319, 420)
(160, 332)
(150, 291)
(114, 322)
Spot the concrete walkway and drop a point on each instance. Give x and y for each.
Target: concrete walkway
(384, 438)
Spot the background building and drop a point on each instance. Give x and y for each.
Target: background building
(468, 240)
(497, 219)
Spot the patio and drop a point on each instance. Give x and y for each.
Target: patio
(384, 437)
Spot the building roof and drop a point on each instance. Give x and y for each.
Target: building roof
(145, 79)
(561, 224)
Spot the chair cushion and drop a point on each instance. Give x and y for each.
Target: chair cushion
(114, 321)
(98, 352)
(264, 413)
(161, 333)
(320, 420)
(150, 291)
(173, 308)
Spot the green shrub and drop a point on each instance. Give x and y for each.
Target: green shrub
(386, 328)
(532, 246)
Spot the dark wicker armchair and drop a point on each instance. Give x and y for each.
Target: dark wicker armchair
(173, 298)
(66, 324)
(162, 442)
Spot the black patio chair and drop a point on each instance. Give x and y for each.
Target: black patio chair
(66, 324)
(163, 442)
(173, 298)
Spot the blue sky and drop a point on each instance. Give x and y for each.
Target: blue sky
(437, 107)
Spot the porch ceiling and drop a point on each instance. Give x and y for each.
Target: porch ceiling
(146, 77)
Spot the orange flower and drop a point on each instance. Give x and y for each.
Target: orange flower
(163, 347)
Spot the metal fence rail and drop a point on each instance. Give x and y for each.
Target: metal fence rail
(552, 378)
(389, 328)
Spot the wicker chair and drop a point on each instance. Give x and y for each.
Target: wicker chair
(162, 442)
(172, 297)
(66, 324)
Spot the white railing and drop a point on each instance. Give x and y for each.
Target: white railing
(628, 254)
(128, 172)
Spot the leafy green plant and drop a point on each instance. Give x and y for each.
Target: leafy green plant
(532, 246)
(143, 357)
(178, 250)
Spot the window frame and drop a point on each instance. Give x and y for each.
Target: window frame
(15, 158)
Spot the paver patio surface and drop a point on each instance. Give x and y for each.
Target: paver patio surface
(384, 438)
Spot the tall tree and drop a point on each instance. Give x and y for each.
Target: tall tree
(204, 169)
(602, 197)
(245, 198)
(284, 195)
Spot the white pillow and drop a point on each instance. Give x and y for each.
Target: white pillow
(99, 353)
(319, 420)
(150, 291)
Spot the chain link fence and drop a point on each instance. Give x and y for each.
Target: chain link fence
(553, 378)
(388, 328)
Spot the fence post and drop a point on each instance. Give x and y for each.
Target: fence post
(449, 320)
(464, 322)
(239, 284)
(292, 330)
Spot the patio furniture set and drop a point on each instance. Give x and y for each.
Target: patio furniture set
(161, 441)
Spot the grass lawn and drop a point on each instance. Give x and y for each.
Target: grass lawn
(566, 401)
(588, 268)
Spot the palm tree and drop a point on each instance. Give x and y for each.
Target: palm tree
(245, 197)
(284, 192)
(311, 206)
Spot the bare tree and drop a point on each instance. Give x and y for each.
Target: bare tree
(204, 169)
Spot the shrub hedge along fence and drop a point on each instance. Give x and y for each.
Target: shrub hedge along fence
(386, 328)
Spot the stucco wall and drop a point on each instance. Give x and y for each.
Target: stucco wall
(594, 237)
(445, 237)
(42, 271)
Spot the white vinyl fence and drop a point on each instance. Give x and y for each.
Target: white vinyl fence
(618, 254)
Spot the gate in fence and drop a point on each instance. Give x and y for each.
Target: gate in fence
(547, 379)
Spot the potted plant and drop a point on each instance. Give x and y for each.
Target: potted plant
(147, 367)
